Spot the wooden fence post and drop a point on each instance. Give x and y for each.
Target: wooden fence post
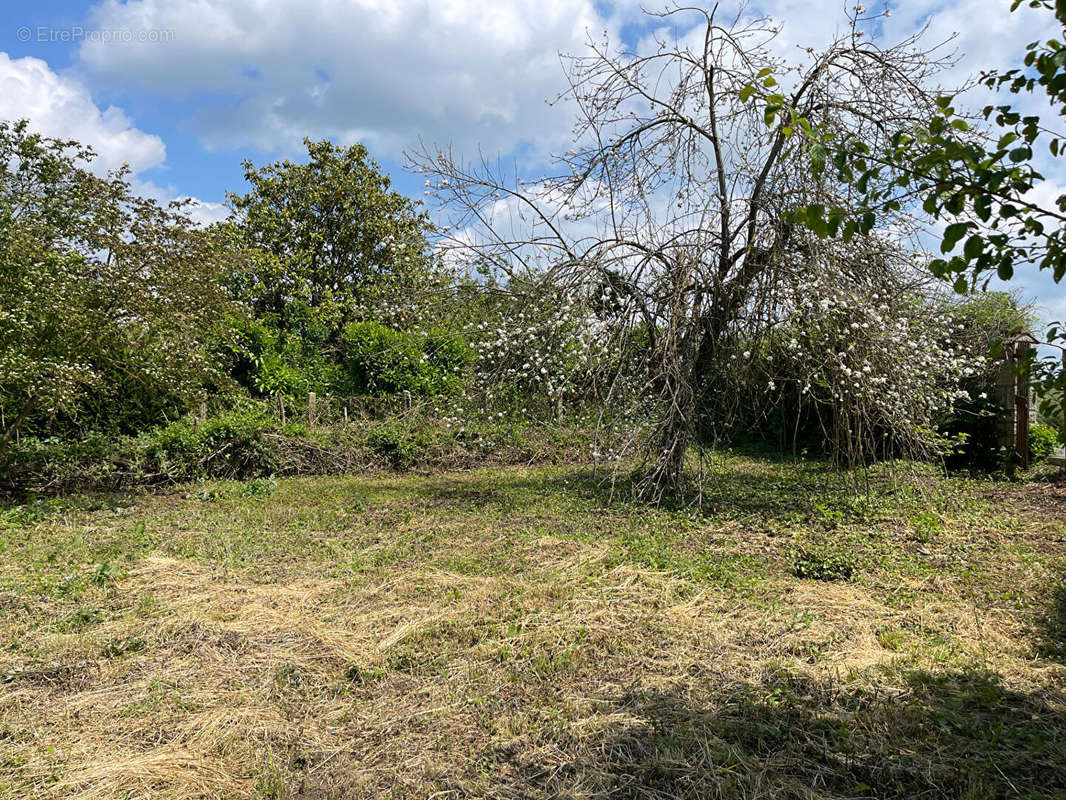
(311, 416)
(1021, 404)
(281, 407)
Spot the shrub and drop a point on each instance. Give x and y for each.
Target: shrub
(231, 445)
(1043, 439)
(237, 444)
(382, 360)
(269, 360)
(393, 445)
(109, 302)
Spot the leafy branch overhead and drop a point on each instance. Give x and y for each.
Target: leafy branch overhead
(974, 172)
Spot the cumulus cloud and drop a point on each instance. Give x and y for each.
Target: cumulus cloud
(382, 71)
(63, 107)
(266, 73)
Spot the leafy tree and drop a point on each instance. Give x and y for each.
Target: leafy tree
(330, 235)
(979, 175)
(108, 301)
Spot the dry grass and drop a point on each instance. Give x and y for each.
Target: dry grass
(504, 635)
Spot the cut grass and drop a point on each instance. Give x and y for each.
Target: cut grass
(518, 633)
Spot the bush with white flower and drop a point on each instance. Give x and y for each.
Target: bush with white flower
(871, 359)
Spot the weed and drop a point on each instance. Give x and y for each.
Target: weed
(363, 676)
(926, 526)
(393, 445)
(259, 487)
(107, 573)
(891, 639)
(270, 781)
(116, 648)
(825, 562)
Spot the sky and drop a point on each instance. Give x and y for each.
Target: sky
(184, 90)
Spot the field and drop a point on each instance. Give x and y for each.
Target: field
(522, 633)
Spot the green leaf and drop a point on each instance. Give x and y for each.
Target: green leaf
(956, 203)
(1020, 154)
(746, 93)
(953, 235)
(817, 156)
(1006, 140)
(973, 248)
(849, 230)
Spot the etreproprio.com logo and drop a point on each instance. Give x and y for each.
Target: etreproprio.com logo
(77, 33)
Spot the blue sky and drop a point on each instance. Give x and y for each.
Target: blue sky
(183, 90)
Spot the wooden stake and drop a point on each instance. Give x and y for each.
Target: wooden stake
(1021, 405)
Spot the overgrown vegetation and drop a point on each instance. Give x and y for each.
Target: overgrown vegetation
(138, 346)
(251, 441)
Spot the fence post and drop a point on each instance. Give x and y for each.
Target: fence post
(311, 408)
(281, 407)
(346, 415)
(1021, 405)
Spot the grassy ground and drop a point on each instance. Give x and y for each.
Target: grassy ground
(516, 633)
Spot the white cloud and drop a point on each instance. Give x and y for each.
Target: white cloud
(387, 72)
(201, 211)
(204, 212)
(62, 107)
(475, 73)
(382, 71)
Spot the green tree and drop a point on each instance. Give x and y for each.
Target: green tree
(330, 235)
(108, 301)
(977, 175)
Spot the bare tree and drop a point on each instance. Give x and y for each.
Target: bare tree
(676, 194)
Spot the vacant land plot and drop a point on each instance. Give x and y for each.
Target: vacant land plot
(519, 633)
